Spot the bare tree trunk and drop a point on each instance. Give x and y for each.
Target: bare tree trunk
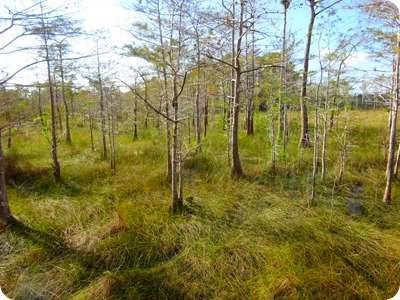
(40, 104)
(55, 165)
(396, 166)
(393, 123)
(325, 131)
(304, 134)
(236, 168)
(135, 115)
(168, 143)
(111, 131)
(316, 149)
(64, 99)
(336, 94)
(57, 104)
(205, 117)
(191, 119)
(102, 109)
(283, 121)
(250, 83)
(273, 144)
(9, 140)
(5, 212)
(198, 90)
(165, 89)
(180, 179)
(91, 125)
(177, 202)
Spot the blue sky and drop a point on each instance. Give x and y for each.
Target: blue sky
(109, 14)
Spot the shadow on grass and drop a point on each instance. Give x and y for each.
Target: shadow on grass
(54, 246)
(93, 265)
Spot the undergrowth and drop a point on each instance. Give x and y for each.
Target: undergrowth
(99, 234)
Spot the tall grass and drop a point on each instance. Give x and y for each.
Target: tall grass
(105, 235)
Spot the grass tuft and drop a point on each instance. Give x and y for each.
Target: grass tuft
(109, 235)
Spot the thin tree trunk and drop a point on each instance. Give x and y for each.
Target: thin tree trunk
(102, 109)
(91, 125)
(72, 99)
(236, 168)
(283, 93)
(5, 212)
(396, 166)
(168, 143)
(205, 117)
(135, 115)
(325, 131)
(393, 123)
(165, 92)
(177, 203)
(111, 132)
(198, 90)
(336, 94)
(40, 104)
(316, 150)
(304, 134)
(273, 144)
(180, 180)
(57, 104)
(250, 83)
(55, 165)
(283, 120)
(64, 99)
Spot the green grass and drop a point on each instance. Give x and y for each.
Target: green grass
(105, 235)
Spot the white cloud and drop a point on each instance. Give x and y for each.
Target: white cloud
(357, 58)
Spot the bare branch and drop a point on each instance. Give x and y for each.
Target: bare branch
(146, 101)
(219, 60)
(21, 69)
(325, 8)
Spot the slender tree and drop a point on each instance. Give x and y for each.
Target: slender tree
(153, 31)
(168, 57)
(5, 212)
(239, 28)
(102, 105)
(393, 122)
(316, 8)
(135, 112)
(44, 30)
(282, 118)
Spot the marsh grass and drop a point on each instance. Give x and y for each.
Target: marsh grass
(104, 235)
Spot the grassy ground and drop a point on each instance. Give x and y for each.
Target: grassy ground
(104, 235)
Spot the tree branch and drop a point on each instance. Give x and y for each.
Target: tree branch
(146, 101)
(329, 6)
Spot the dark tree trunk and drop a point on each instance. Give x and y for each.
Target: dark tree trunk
(55, 164)
(304, 134)
(205, 117)
(135, 116)
(102, 110)
(236, 168)
(5, 212)
(177, 202)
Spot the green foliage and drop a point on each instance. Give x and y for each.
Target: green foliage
(103, 235)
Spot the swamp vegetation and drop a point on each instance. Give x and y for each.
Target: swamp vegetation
(110, 234)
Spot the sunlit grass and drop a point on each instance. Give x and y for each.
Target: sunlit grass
(99, 234)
